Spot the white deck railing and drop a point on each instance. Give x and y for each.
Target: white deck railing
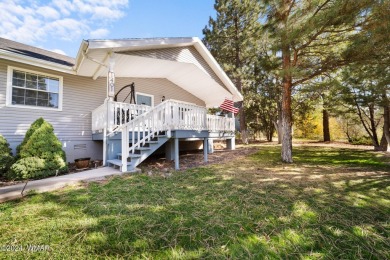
(113, 114)
(170, 115)
(219, 123)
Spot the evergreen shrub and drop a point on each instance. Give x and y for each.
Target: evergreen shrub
(6, 159)
(40, 154)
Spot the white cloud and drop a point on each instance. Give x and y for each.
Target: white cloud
(48, 12)
(66, 29)
(99, 33)
(64, 6)
(32, 22)
(97, 9)
(59, 51)
(103, 12)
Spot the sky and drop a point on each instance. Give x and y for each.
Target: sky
(61, 25)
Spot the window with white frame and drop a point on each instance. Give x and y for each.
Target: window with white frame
(34, 89)
(144, 99)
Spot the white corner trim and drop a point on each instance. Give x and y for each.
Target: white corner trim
(8, 95)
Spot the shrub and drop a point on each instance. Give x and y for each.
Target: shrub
(30, 168)
(33, 127)
(362, 140)
(40, 154)
(6, 158)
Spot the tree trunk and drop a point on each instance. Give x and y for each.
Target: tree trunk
(269, 133)
(374, 136)
(286, 107)
(386, 119)
(347, 134)
(279, 128)
(370, 131)
(244, 134)
(325, 124)
(383, 144)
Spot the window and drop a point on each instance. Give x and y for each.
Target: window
(35, 90)
(144, 99)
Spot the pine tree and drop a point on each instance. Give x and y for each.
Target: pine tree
(231, 38)
(311, 36)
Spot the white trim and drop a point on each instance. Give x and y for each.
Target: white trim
(147, 42)
(8, 103)
(144, 94)
(201, 48)
(36, 62)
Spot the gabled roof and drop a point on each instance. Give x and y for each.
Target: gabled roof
(201, 76)
(18, 48)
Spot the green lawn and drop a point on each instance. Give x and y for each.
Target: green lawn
(331, 203)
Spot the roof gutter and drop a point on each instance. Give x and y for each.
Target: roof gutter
(36, 62)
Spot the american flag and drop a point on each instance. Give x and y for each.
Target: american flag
(228, 105)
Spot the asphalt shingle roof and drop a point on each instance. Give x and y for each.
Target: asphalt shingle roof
(35, 52)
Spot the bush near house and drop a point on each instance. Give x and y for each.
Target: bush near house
(6, 158)
(40, 154)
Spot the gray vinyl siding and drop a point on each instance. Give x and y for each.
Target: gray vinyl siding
(158, 88)
(81, 95)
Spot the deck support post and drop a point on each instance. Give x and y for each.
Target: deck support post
(105, 146)
(205, 148)
(176, 153)
(125, 148)
(231, 143)
(210, 145)
(170, 150)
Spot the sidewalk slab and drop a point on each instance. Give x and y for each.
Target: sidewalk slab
(54, 183)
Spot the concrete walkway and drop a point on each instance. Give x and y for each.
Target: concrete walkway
(53, 183)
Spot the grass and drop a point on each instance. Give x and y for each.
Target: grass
(328, 204)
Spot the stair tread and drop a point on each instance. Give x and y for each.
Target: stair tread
(142, 148)
(117, 162)
(131, 155)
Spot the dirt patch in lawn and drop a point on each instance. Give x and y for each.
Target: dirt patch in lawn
(237, 162)
(193, 159)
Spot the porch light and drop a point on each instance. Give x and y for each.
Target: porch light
(162, 98)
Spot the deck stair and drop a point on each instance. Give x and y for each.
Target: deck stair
(140, 153)
(147, 129)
